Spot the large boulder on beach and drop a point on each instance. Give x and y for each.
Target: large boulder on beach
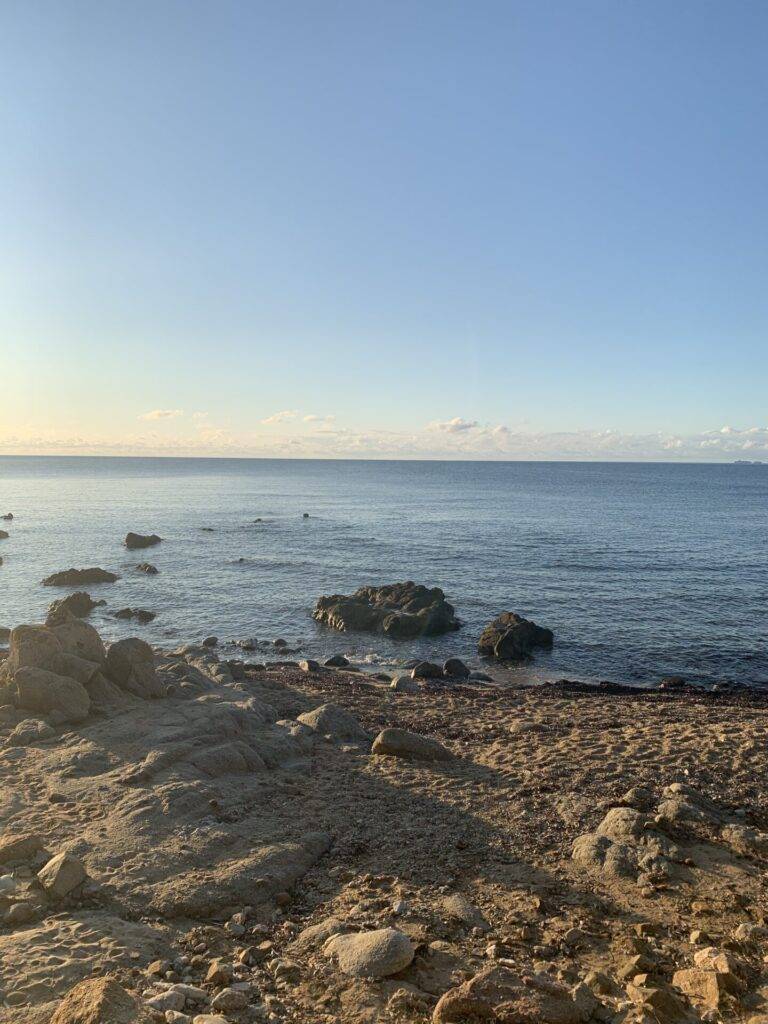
(131, 665)
(58, 698)
(399, 610)
(401, 743)
(33, 647)
(510, 637)
(80, 604)
(76, 637)
(133, 541)
(80, 578)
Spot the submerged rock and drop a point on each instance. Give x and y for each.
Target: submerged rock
(510, 637)
(139, 540)
(80, 577)
(399, 610)
(4, 535)
(140, 614)
(80, 604)
(147, 568)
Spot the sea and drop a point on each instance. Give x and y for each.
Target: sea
(641, 570)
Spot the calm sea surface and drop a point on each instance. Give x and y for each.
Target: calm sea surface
(640, 570)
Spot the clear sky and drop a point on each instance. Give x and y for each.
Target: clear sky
(401, 228)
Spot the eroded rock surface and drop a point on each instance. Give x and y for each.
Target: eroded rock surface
(397, 610)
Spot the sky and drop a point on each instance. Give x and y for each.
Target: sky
(400, 229)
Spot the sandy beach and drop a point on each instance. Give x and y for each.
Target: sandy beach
(229, 844)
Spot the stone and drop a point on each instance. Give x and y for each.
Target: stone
(59, 698)
(209, 1018)
(140, 614)
(79, 578)
(168, 1000)
(661, 1005)
(147, 568)
(229, 1000)
(80, 604)
(211, 641)
(454, 668)
(426, 670)
(458, 908)
(336, 661)
(219, 973)
(500, 994)
(19, 914)
(131, 665)
(4, 535)
(19, 848)
(376, 954)
(317, 934)
(308, 665)
(704, 987)
(99, 1001)
(33, 647)
(138, 540)
(76, 636)
(331, 720)
(510, 637)
(404, 684)
(401, 743)
(61, 875)
(399, 610)
(31, 730)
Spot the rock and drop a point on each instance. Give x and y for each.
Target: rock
(137, 540)
(337, 661)
(59, 698)
(8, 516)
(79, 604)
(168, 1000)
(376, 954)
(308, 665)
(211, 641)
(61, 875)
(19, 914)
(131, 664)
(79, 578)
(31, 730)
(660, 1004)
(454, 668)
(140, 614)
(5, 634)
(14, 849)
(458, 908)
(330, 720)
(704, 987)
(317, 934)
(4, 535)
(219, 973)
(398, 610)
(77, 637)
(499, 994)
(400, 743)
(209, 1018)
(99, 1001)
(426, 670)
(404, 684)
(510, 637)
(229, 1000)
(147, 568)
(33, 647)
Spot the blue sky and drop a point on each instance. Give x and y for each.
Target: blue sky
(519, 229)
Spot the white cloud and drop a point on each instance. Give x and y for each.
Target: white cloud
(162, 414)
(311, 418)
(280, 417)
(455, 426)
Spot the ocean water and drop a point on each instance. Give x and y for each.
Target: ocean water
(641, 570)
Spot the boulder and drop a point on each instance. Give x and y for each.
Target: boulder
(457, 907)
(133, 541)
(148, 568)
(401, 743)
(705, 987)
(4, 535)
(308, 665)
(79, 578)
(399, 610)
(454, 668)
(331, 720)
(79, 604)
(99, 1001)
(376, 954)
(404, 684)
(131, 665)
(426, 670)
(140, 614)
(77, 637)
(337, 661)
(33, 647)
(21, 848)
(8, 516)
(58, 698)
(317, 935)
(61, 875)
(511, 638)
(500, 994)
(31, 730)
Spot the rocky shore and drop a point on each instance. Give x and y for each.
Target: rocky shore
(191, 839)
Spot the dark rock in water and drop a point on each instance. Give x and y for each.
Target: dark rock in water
(281, 664)
(280, 642)
(481, 677)
(148, 568)
(454, 668)
(426, 670)
(399, 610)
(1, 561)
(248, 644)
(308, 665)
(79, 577)
(337, 661)
(139, 540)
(510, 637)
(207, 529)
(79, 604)
(4, 535)
(672, 683)
(8, 516)
(140, 614)
(305, 516)
(5, 634)
(211, 641)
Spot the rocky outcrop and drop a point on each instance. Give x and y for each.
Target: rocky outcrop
(500, 994)
(399, 610)
(80, 604)
(59, 698)
(130, 663)
(134, 541)
(512, 638)
(80, 578)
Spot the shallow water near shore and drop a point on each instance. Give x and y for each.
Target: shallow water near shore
(641, 570)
